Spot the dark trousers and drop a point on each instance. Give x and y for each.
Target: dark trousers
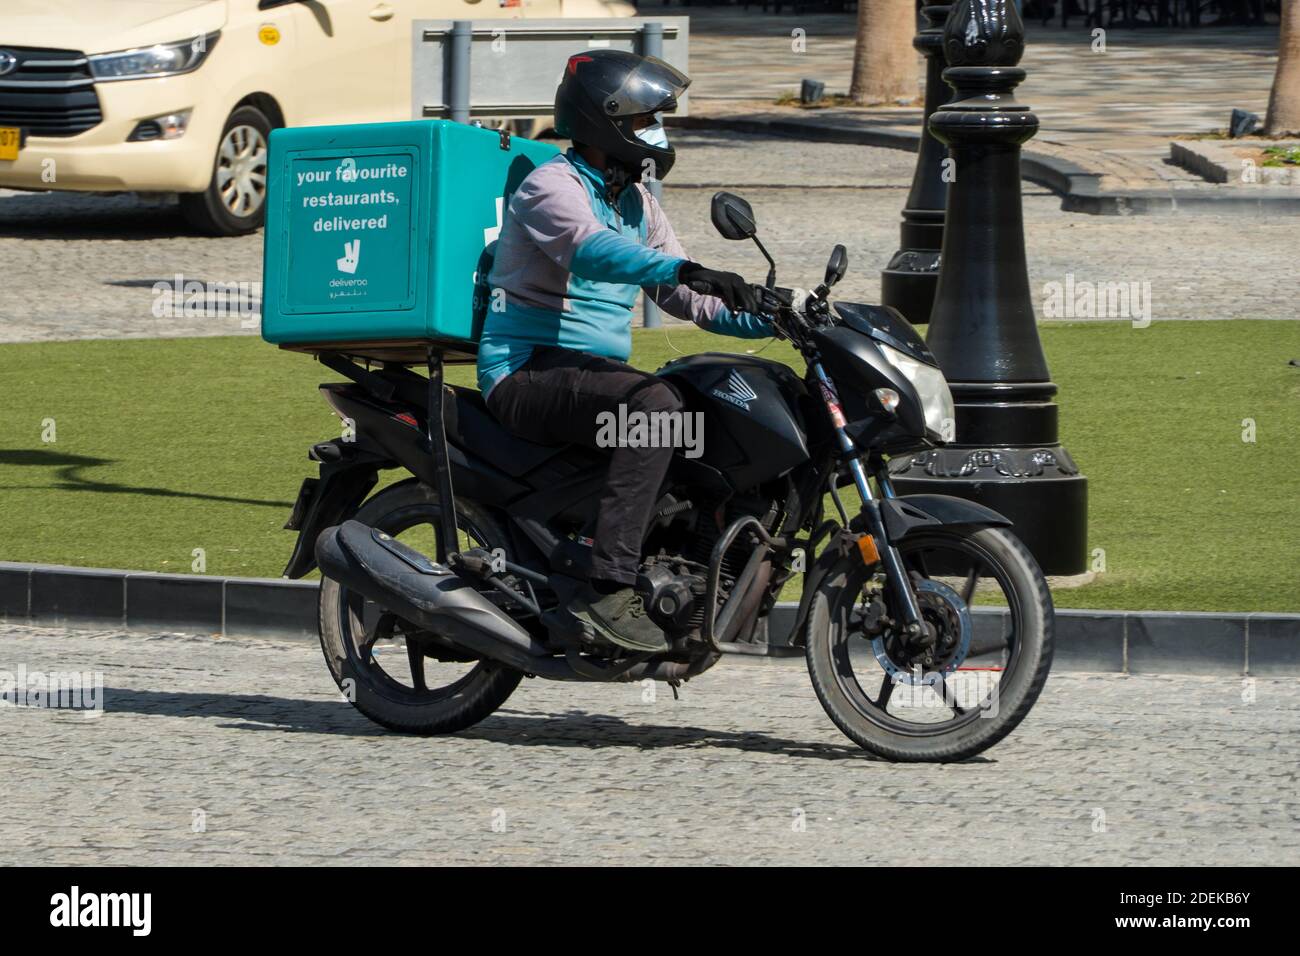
(555, 399)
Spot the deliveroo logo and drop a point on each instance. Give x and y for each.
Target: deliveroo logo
(351, 256)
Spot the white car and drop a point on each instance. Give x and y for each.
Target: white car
(180, 95)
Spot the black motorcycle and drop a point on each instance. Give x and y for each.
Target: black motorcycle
(925, 623)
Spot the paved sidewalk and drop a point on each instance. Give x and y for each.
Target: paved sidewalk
(251, 738)
(1113, 113)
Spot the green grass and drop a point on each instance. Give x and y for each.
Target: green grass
(1282, 156)
(163, 447)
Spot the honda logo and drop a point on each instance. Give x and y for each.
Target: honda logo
(738, 393)
(8, 62)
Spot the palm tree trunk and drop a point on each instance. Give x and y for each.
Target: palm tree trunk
(1284, 101)
(884, 62)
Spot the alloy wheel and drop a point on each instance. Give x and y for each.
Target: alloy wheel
(241, 170)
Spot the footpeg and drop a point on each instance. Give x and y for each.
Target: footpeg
(567, 628)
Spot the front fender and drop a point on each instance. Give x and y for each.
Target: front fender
(915, 513)
(909, 514)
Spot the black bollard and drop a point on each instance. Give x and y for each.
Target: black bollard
(909, 281)
(1006, 452)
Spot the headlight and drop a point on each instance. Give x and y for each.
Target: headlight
(931, 387)
(164, 59)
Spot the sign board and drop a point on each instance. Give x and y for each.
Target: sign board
(515, 65)
(349, 218)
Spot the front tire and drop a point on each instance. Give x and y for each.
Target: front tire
(347, 620)
(838, 656)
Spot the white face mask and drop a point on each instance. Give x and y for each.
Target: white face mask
(653, 135)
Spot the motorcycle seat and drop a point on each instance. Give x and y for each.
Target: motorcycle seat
(469, 425)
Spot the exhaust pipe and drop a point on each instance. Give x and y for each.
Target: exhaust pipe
(415, 587)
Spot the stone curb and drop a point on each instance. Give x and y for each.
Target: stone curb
(142, 600)
(1079, 188)
(1130, 642)
(1216, 161)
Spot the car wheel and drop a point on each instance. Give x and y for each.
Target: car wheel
(235, 201)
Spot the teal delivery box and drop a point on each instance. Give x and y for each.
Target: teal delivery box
(376, 234)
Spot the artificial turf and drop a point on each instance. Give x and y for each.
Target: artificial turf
(162, 447)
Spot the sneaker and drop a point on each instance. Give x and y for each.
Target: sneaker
(621, 619)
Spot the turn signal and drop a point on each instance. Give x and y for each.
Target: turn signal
(888, 398)
(867, 546)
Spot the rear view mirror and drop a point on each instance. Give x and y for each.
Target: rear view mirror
(838, 265)
(732, 217)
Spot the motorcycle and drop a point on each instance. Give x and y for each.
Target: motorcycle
(925, 623)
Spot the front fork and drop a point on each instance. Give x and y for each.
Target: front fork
(896, 576)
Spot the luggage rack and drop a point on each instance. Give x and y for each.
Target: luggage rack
(433, 354)
(396, 351)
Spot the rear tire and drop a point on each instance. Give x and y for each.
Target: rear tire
(445, 710)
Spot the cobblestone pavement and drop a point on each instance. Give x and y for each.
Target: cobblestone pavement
(85, 266)
(1122, 105)
(252, 736)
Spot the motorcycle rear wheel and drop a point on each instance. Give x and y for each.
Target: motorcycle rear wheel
(840, 655)
(475, 688)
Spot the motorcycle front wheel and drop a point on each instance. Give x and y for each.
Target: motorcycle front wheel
(969, 682)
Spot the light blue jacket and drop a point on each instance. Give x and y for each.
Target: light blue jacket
(569, 265)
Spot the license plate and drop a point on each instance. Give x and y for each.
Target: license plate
(10, 139)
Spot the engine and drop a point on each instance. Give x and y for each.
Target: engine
(679, 548)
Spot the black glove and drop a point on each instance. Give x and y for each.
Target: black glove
(727, 286)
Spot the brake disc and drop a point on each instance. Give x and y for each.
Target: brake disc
(943, 608)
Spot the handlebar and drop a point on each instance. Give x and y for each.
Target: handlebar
(790, 320)
(777, 305)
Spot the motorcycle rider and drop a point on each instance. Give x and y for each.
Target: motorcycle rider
(582, 235)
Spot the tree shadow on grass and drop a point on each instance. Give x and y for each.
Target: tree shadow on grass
(68, 473)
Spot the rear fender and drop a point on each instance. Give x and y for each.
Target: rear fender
(348, 471)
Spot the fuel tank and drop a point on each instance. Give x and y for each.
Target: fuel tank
(754, 414)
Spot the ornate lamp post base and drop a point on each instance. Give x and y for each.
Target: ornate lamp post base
(1038, 486)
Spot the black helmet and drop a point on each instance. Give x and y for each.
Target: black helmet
(604, 91)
